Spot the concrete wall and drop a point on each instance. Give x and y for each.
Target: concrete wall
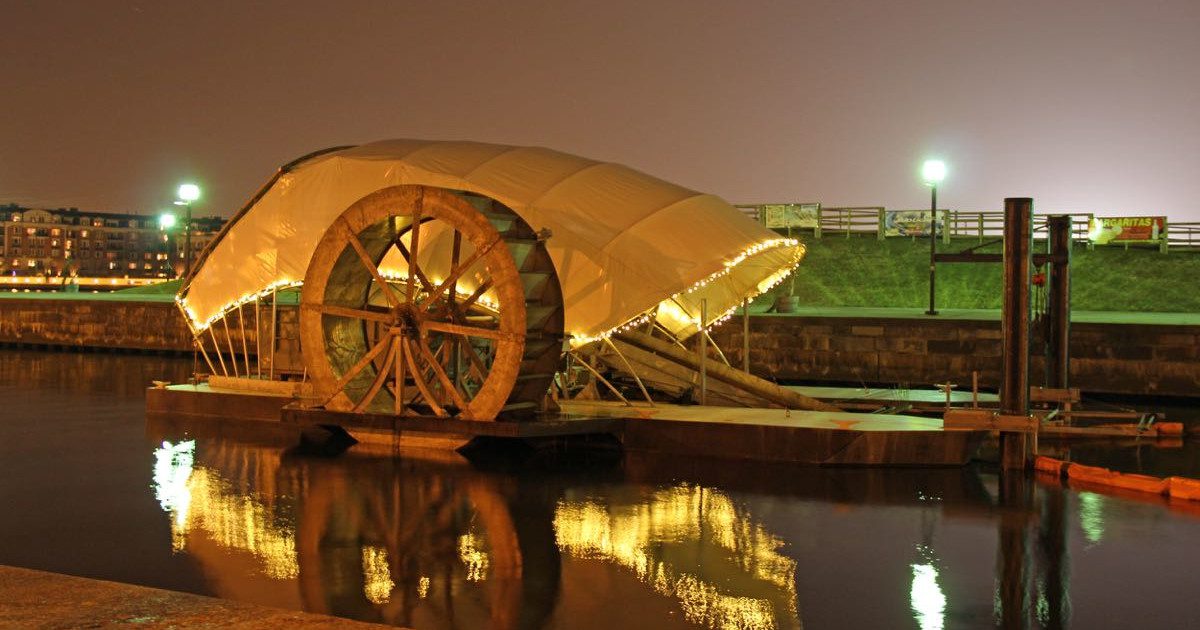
(1116, 358)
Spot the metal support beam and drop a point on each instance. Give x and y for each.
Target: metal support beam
(746, 336)
(932, 250)
(703, 352)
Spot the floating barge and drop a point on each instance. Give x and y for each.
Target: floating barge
(778, 435)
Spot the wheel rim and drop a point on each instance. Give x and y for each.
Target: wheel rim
(451, 330)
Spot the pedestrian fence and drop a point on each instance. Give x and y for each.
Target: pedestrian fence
(958, 224)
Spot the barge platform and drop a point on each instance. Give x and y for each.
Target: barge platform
(754, 434)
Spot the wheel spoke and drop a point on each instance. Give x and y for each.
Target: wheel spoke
(471, 331)
(458, 270)
(419, 380)
(415, 239)
(342, 311)
(371, 265)
(455, 251)
(476, 362)
(358, 367)
(398, 369)
(380, 378)
(478, 293)
(413, 269)
(440, 373)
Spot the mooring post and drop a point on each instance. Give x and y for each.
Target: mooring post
(1014, 327)
(746, 336)
(703, 353)
(1058, 329)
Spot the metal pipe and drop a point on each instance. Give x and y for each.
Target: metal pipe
(599, 377)
(703, 353)
(746, 336)
(632, 372)
(242, 332)
(198, 341)
(720, 354)
(271, 350)
(229, 342)
(217, 349)
(257, 337)
(932, 248)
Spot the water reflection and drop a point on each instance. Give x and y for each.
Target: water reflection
(429, 541)
(928, 600)
(692, 544)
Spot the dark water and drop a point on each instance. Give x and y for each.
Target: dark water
(430, 541)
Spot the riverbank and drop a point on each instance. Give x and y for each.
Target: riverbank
(863, 272)
(37, 599)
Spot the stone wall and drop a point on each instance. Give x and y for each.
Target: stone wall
(99, 323)
(1116, 358)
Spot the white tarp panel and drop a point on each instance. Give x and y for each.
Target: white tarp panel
(623, 242)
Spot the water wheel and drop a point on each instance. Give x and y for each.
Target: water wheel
(426, 301)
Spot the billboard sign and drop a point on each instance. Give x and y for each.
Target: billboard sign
(1104, 230)
(797, 215)
(906, 223)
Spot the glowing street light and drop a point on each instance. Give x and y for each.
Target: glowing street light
(933, 172)
(187, 193)
(166, 221)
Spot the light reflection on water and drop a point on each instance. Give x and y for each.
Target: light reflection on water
(430, 541)
(692, 544)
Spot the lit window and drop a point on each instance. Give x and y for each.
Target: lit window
(84, 233)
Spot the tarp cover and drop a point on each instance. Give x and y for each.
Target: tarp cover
(623, 243)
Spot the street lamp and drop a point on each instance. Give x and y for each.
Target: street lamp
(187, 194)
(933, 172)
(166, 223)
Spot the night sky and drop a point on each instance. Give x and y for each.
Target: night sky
(1085, 105)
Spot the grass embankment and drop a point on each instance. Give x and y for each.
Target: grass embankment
(866, 272)
(862, 271)
(168, 287)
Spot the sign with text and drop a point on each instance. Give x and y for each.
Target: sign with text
(797, 215)
(1104, 230)
(906, 223)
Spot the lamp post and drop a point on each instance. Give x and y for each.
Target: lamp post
(187, 194)
(933, 172)
(166, 223)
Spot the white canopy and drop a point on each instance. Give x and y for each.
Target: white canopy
(626, 246)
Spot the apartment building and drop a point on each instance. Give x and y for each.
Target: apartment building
(73, 242)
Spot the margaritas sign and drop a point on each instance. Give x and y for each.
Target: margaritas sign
(1103, 230)
(797, 215)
